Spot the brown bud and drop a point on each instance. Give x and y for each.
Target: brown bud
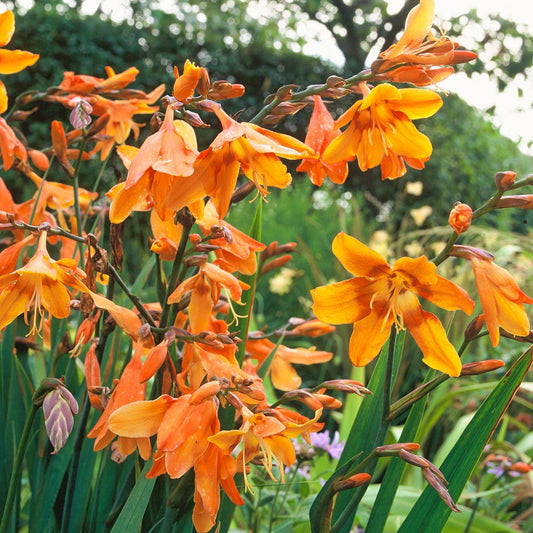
(335, 81)
(394, 449)
(352, 482)
(505, 180)
(522, 201)
(275, 263)
(467, 252)
(481, 367)
(474, 327)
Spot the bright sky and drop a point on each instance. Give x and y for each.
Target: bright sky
(513, 112)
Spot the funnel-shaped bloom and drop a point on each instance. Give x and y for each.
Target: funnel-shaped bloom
(381, 295)
(11, 61)
(165, 159)
(380, 130)
(121, 122)
(10, 146)
(85, 85)
(40, 284)
(320, 133)
(267, 437)
(244, 146)
(413, 58)
(501, 299)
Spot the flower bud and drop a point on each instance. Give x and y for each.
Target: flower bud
(481, 367)
(520, 467)
(394, 449)
(352, 482)
(505, 180)
(460, 217)
(59, 406)
(522, 201)
(474, 327)
(39, 159)
(206, 392)
(313, 328)
(185, 84)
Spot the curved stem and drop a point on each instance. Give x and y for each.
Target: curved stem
(17, 469)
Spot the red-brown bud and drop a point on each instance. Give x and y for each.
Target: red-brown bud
(460, 217)
(352, 482)
(520, 467)
(474, 327)
(522, 201)
(481, 367)
(505, 180)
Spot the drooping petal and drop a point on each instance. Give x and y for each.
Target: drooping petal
(12, 61)
(417, 103)
(430, 336)
(370, 334)
(284, 376)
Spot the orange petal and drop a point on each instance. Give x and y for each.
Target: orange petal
(357, 258)
(370, 334)
(430, 336)
(284, 376)
(140, 419)
(12, 61)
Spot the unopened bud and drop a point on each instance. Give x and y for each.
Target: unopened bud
(522, 201)
(352, 482)
(335, 81)
(460, 217)
(59, 406)
(469, 252)
(481, 367)
(313, 328)
(394, 449)
(328, 402)
(520, 467)
(505, 180)
(275, 263)
(39, 159)
(413, 459)
(474, 327)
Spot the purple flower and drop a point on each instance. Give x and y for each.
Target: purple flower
(322, 441)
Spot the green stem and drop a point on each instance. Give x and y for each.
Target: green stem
(17, 469)
(174, 275)
(75, 187)
(95, 187)
(475, 506)
(310, 91)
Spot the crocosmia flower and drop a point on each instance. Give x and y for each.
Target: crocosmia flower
(41, 284)
(380, 296)
(381, 132)
(11, 61)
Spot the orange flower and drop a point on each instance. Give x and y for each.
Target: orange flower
(501, 298)
(205, 290)
(236, 250)
(185, 84)
(320, 133)
(40, 283)
(10, 146)
(265, 437)
(86, 85)
(121, 123)
(380, 131)
(129, 389)
(244, 146)
(284, 376)
(11, 61)
(380, 295)
(165, 159)
(419, 51)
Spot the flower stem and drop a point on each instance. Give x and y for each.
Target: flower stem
(17, 469)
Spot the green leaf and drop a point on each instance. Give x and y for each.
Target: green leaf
(130, 518)
(368, 431)
(429, 512)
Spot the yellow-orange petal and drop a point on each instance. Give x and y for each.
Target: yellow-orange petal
(12, 61)
(284, 376)
(370, 334)
(417, 26)
(140, 419)
(428, 333)
(3, 97)
(417, 103)
(357, 258)
(7, 27)
(343, 302)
